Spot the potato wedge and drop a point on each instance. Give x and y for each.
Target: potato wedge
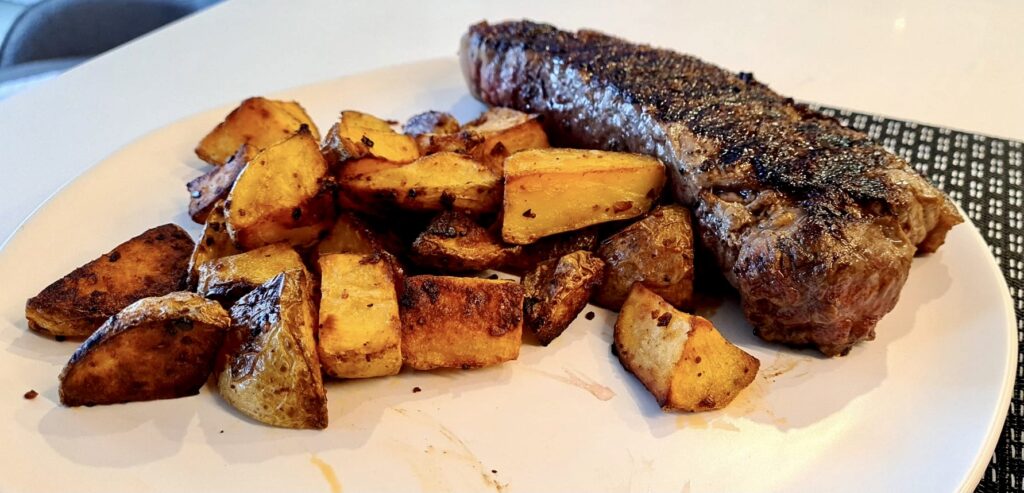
(503, 132)
(454, 242)
(283, 194)
(549, 191)
(460, 322)
(152, 264)
(441, 181)
(360, 331)
(682, 360)
(350, 234)
(228, 278)
(213, 244)
(258, 122)
(430, 122)
(268, 368)
(556, 291)
(156, 348)
(358, 135)
(523, 258)
(656, 251)
(214, 186)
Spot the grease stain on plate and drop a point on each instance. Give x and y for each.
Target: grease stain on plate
(327, 471)
(575, 379)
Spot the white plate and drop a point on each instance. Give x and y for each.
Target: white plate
(918, 409)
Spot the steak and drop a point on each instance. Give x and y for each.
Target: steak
(813, 223)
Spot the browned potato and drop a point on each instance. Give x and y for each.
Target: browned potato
(259, 122)
(350, 234)
(682, 360)
(445, 180)
(283, 194)
(213, 244)
(503, 132)
(460, 322)
(431, 122)
(549, 191)
(656, 251)
(557, 290)
(268, 368)
(521, 259)
(454, 242)
(152, 264)
(228, 278)
(156, 348)
(360, 332)
(214, 186)
(358, 135)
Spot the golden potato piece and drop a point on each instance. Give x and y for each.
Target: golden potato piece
(431, 122)
(454, 242)
(214, 186)
(682, 360)
(503, 132)
(523, 258)
(258, 122)
(656, 251)
(360, 332)
(213, 244)
(152, 264)
(268, 368)
(156, 348)
(549, 191)
(228, 278)
(358, 135)
(460, 322)
(556, 291)
(283, 194)
(441, 181)
(350, 234)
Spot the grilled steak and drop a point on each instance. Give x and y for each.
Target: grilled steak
(813, 223)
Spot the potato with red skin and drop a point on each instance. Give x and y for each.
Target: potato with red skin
(214, 186)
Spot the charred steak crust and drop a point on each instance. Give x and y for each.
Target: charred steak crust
(812, 222)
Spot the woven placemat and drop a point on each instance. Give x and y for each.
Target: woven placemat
(983, 175)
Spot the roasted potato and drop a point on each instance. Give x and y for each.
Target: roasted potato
(268, 368)
(360, 332)
(523, 258)
(152, 264)
(431, 122)
(358, 135)
(441, 181)
(283, 194)
(156, 348)
(454, 242)
(258, 122)
(214, 186)
(213, 244)
(682, 360)
(228, 278)
(460, 322)
(351, 234)
(549, 191)
(556, 291)
(503, 132)
(656, 251)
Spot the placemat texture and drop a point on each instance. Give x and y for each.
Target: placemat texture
(983, 175)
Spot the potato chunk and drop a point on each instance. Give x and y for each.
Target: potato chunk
(503, 132)
(460, 322)
(213, 244)
(283, 194)
(156, 348)
(360, 332)
(656, 251)
(445, 180)
(523, 258)
(258, 122)
(454, 242)
(268, 368)
(549, 191)
(152, 264)
(228, 278)
(214, 186)
(431, 122)
(682, 360)
(557, 290)
(350, 234)
(358, 135)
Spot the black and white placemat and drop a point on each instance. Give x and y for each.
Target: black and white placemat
(983, 175)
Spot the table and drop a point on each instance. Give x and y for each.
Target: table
(951, 64)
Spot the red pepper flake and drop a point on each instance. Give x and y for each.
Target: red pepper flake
(416, 390)
(664, 319)
(589, 316)
(32, 394)
(529, 214)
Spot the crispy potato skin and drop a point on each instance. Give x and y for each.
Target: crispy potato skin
(228, 278)
(258, 122)
(152, 264)
(557, 290)
(656, 251)
(454, 242)
(503, 132)
(459, 322)
(523, 258)
(156, 348)
(360, 330)
(359, 135)
(214, 186)
(213, 244)
(269, 369)
(682, 360)
(431, 122)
